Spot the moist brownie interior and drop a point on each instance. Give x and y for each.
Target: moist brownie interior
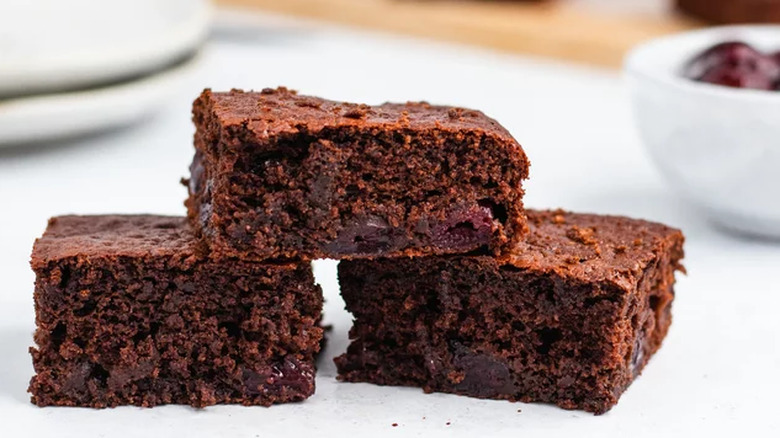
(571, 319)
(129, 310)
(282, 175)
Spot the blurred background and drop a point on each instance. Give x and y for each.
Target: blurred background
(92, 65)
(95, 95)
(95, 100)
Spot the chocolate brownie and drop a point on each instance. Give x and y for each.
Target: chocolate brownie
(732, 11)
(571, 318)
(130, 311)
(280, 175)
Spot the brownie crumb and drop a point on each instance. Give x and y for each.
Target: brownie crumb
(307, 103)
(455, 113)
(270, 91)
(357, 111)
(581, 235)
(571, 260)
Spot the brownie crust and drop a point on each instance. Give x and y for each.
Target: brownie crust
(571, 319)
(131, 311)
(280, 175)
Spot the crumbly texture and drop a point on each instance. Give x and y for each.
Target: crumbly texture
(130, 311)
(732, 11)
(570, 319)
(279, 175)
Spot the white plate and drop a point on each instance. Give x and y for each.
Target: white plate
(52, 116)
(57, 44)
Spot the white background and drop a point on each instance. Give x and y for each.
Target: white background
(717, 374)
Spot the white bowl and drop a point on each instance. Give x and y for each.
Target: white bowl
(28, 121)
(719, 147)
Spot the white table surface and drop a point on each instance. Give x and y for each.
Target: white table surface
(716, 375)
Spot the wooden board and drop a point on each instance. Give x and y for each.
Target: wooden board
(560, 29)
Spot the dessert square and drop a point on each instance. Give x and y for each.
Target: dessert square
(571, 318)
(131, 311)
(280, 175)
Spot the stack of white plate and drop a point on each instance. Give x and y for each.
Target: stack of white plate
(69, 67)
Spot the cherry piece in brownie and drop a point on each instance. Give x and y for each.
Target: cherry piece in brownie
(279, 175)
(129, 311)
(571, 319)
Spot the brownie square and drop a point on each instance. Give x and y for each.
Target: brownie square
(131, 311)
(279, 175)
(571, 318)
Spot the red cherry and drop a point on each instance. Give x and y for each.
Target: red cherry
(735, 64)
(738, 78)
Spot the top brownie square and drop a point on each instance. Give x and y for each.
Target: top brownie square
(280, 175)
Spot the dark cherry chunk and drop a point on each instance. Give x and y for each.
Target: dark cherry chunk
(735, 64)
(278, 175)
(289, 376)
(480, 375)
(131, 311)
(463, 229)
(370, 235)
(466, 229)
(571, 317)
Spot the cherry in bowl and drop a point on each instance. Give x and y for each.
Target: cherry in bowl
(735, 64)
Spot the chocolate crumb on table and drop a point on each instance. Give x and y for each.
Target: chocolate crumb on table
(281, 175)
(570, 318)
(131, 311)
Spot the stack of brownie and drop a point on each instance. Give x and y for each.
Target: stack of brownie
(453, 286)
